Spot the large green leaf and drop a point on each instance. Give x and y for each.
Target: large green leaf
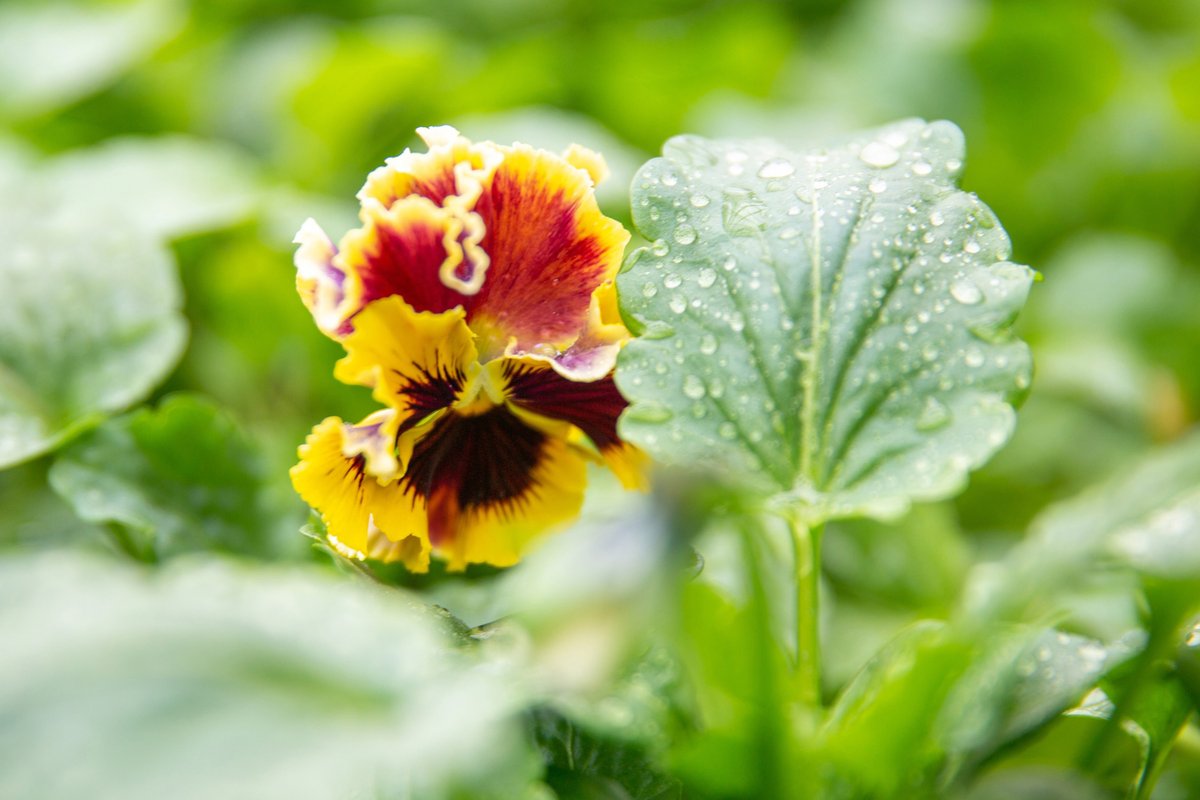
(211, 680)
(831, 328)
(89, 323)
(175, 479)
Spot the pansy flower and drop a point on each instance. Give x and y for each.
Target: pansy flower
(476, 300)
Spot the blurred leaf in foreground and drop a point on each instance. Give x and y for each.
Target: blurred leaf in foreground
(89, 323)
(212, 680)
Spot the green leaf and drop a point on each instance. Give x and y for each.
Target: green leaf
(176, 479)
(881, 734)
(829, 328)
(53, 54)
(168, 185)
(216, 680)
(89, 323)
(1022, 679)
(1146, 518)
(583, 765)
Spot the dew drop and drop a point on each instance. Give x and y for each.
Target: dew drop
(777, 168)
(936, 219)
(727, 430)
(877, 186)
(708, 344)
(699, 200)
(649, 289)
(685, 234)
(934, 415)
(922, 168)
(669, 179)
(879, 155)
(973, 357)
(659, 248)
(706, 278)
(677, 304)
(672, 281)
(693, 387)
(965, 292)
(648, 412)
(656, 329)
(971, 246)
(729, 263)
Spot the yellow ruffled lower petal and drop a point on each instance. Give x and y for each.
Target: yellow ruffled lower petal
(501, 534)
(353, 504)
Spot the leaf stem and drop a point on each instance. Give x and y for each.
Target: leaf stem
(806, 547)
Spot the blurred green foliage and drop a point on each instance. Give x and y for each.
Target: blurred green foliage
(215, 128)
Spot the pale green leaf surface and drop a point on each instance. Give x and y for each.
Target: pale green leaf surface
(1146, 518)
(180, 478)
(831, 328)
(89, 323)
(209, 680)
(167, 185)
(52, 54)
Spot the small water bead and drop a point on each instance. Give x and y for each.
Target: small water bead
(879, 155)
(649, 412)
(777, 168)
(699, 200)
(699, 410)
(677, 304)
(936, 219)
(934, 415)
(737, 322)
(669, 179)
(672, 281)
(877, 186)
(657, 329)
(953, 165)
(971, 246)
(685, 234)
(729, 263)
(788, 233)
(649, 289)
(706, 278)
(973, 357)
(708, 344)
(922, 168)
(693, 387)
(965, 292)
(659, 248)
(727, 430)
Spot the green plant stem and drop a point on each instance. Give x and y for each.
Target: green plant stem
(806, 546)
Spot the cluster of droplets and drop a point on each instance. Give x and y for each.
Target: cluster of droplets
(920, 267)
